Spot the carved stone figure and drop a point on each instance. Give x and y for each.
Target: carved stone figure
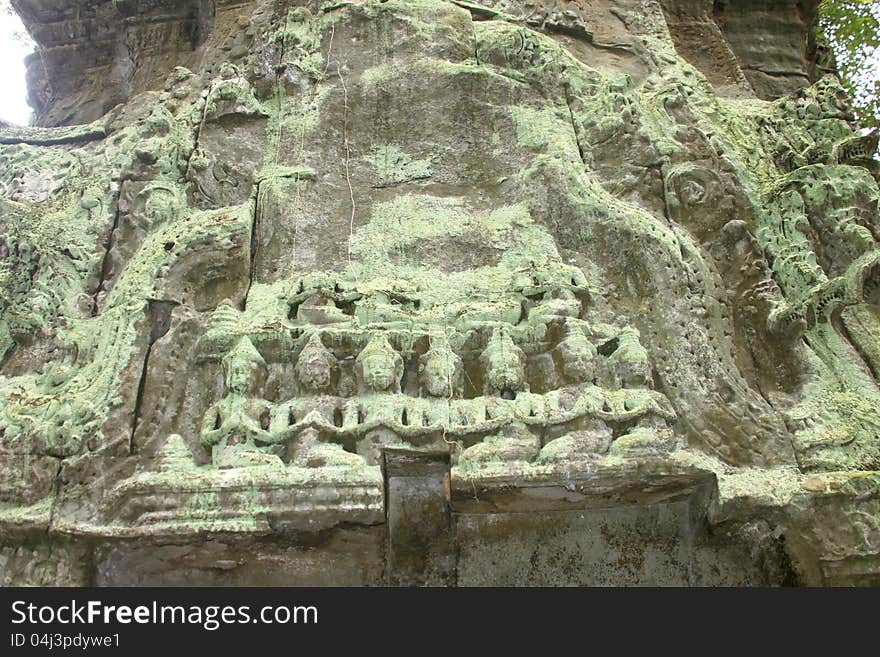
(578, 355)
(503, 363)
(232, 426)
(379, 366)
(316, 367)
(440, 370)
(629, 362)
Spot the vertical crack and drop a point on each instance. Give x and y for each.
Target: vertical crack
(574, 129)
(347, 158)
(56, 489)
(255, 243)
(279, 69)
(105, 261)
(474, 36)
(160, 322)
(130, 55)
(142, 383)
(190, 175)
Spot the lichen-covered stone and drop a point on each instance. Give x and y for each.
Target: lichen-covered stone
(430, 291)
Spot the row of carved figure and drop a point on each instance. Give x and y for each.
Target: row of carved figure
(502, 365)
(242, 418)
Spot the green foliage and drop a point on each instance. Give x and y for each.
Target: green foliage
(852, 28)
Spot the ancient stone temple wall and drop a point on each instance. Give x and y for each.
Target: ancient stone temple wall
(437, 292)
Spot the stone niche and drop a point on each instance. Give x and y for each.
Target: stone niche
(438, 293)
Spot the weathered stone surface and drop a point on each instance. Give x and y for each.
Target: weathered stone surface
(437, 292)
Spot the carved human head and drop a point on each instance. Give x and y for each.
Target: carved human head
(243, 368)
(440, 369)
(503, 361)
(379, 365)
(578, 356)
(315, 366)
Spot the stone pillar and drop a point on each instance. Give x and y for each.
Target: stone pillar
(417, 506)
